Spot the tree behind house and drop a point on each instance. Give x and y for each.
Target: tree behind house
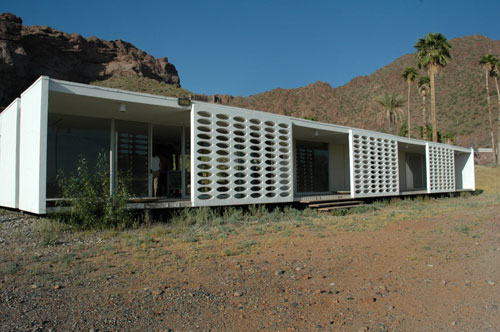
(433, 52)
(409, 75)
(391, 104)
(488, 62)
(495, 72)
(424, 83)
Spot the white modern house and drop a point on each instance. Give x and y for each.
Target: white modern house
(212, 155)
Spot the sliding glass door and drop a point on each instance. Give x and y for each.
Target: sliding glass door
(132, 160)
(311, 160)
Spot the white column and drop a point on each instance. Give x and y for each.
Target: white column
(150, 153)
(112, 157)
(183, 162)
(351, 163)
(428, 167)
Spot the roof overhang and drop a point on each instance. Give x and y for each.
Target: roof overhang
(99, 102)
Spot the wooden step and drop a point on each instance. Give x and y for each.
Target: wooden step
(325, 204)
(326, 209)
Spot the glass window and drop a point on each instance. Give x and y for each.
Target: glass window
(132, 155)
(71, 138)
(312, 167)
(187, 162)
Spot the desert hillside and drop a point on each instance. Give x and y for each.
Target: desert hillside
(27, 52)
(460, 88)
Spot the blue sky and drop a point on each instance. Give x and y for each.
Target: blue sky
(247, 47)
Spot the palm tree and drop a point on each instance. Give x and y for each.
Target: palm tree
(424, 84)
(495, 73)
(488, 62)
(392, 107)
(433, 52)
(409, 75)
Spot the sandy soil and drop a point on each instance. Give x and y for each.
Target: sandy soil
(424, 265)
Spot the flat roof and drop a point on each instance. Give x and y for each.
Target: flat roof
(120, 95)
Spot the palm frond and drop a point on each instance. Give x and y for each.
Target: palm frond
(409, 74)
(489, 62)
(433, 51)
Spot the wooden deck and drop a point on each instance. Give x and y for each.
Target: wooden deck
(319, 198)
(158, 203)
(322, 202)
(134, 204)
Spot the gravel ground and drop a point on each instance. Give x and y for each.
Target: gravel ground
(434, 267)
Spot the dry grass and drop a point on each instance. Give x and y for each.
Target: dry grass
(142, 84)
(171, 246)
(487, 179)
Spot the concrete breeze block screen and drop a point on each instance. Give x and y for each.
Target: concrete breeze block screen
(441, 169)
(240, 157)
(375, 163)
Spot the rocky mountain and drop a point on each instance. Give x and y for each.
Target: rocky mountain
(460, 88)
(26, 52)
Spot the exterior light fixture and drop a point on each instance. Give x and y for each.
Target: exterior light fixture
(184, 102)
(316, 133)
(123, 108)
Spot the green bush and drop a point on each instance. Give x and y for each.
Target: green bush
(203, 216)
(91, 204)
(49, 231)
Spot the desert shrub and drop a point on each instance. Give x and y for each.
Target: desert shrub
(203, 216)
(87, 195)
(233, 215)
(49, 231)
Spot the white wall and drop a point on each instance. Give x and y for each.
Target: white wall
(9, 155)
(338, 155)
(403, 186)
(374, 164)
(33, 147)
(440, 168)
(464, 171)
(240, 156)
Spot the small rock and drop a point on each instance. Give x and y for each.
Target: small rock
(279, 272)
(57, 286)
(34, 286)
(370, 299)
(157, 292)
(491, 283)
(443, 283)
(391, 307)
(238, 294)
(453, 323)
(468, 283)
(298, 268)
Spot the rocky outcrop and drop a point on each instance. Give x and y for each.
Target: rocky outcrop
(26, 52)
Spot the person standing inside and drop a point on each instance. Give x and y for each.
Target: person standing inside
(155, 170)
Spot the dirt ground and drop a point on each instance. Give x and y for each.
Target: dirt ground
(409, 265)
